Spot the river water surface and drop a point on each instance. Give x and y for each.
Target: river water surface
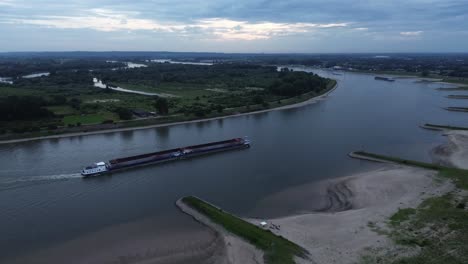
(43, 200)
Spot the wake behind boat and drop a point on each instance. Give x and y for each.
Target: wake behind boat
(99, 168)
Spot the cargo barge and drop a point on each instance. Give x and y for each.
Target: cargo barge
(100, 168)
(380, 78)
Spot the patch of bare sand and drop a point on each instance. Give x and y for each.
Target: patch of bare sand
(454, 152)
(140, 242)
(342, 231)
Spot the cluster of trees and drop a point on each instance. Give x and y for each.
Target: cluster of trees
(231, 75)
(444, 64)
(14, 108)
(76, 80)
(461, 71)
(124, 113)
(19, 66)
(200, 109)
(162, 105)
(292, 83)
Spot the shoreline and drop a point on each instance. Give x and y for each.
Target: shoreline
(284, 107)
(345, 235)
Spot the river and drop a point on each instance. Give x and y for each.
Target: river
(43, 200)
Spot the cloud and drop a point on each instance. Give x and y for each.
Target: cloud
(97, 19)
(243, 30)
(294, 25)
(10, 3)
(221, 28)
(411, 33)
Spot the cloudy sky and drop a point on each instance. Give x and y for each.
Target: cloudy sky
(235, 25)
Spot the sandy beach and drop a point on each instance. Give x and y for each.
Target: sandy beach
(301, 104)
(455, 152)
(341, 233)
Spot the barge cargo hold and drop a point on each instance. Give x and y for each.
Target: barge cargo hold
(164, 156)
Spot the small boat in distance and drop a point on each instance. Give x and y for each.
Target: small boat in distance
(100, 168)
(380, 78)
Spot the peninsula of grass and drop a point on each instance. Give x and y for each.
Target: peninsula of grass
(458, 176)
(456, 109)
(442, 127)
(457, 96)
(461, 88)
(276, 249)
(399, 160)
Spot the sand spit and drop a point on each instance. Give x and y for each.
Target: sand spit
(455, 152)
(237, 250)
(342, 232)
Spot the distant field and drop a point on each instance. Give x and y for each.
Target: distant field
(89, 119)
(7, 90)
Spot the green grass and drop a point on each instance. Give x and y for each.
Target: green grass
(438, 228)
(401, 215)
(10, 91)
(62, 110)
(88, 119)
(276, 249)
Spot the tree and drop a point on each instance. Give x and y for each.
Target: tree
(162, 106)
(124, 113)
(258, 99)
(75, 103)
(58, 100)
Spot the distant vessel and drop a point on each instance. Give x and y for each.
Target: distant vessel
(99, 168)
(380, 78)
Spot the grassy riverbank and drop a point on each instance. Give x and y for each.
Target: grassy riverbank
(169, 119)
(456, 109)
(276, 249)
(454, 96)
(435, 231)
(461, 88)
(458, 176)
(420, 164)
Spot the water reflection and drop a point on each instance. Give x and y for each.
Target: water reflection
(163, 133)
(220, 122)
(127, 135)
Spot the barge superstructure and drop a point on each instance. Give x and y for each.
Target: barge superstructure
(164, 156)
